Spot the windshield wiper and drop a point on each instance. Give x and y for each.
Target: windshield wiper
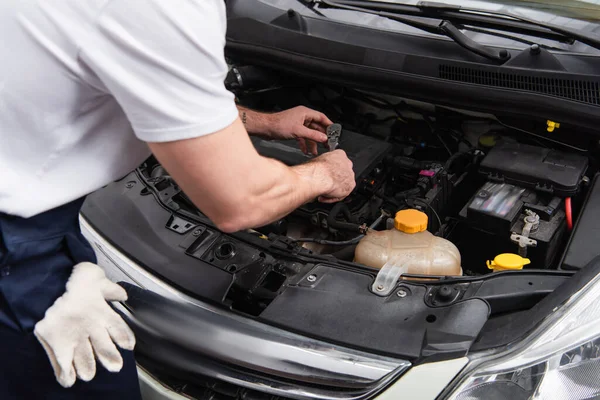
(492, 19)
(443, 27)
(591, 39)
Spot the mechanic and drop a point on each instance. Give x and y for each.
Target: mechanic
(87, 90)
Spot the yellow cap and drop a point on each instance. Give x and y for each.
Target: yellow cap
(508, 261)
(410, 221)
(552, 125)
(488, 140)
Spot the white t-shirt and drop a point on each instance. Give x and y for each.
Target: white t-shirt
(85, 83)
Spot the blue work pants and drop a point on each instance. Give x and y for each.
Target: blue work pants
(37, 256)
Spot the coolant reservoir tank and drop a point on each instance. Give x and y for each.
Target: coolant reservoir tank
(411, 244)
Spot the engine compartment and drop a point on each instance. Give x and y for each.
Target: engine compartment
(487, 185)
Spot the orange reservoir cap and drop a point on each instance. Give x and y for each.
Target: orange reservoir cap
(410, 221)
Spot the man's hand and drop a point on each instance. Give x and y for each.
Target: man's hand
(339, 168)
(236, 188)
(303, 124)
(300, 123)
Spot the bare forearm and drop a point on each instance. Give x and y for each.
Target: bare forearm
(256, 123)
(273, 190)
(233, 185)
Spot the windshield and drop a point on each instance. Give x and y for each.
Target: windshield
(587, 10)
(578, 15)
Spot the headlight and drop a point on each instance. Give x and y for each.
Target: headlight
(560, 360)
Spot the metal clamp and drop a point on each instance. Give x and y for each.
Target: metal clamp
(532, 223)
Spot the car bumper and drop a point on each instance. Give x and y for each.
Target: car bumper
(424, 382)
(372, 375)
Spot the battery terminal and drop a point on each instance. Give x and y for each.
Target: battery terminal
(531, 224)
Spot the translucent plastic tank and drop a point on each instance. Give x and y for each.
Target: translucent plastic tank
(410, 244)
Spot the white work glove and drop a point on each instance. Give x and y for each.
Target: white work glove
(81, 324)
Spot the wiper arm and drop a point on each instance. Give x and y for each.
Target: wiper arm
(446, 28)
(453, 32)
(591, 39)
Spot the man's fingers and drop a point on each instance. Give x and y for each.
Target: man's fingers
(308, 146)
(311, 134)
(318, 117)
(317, 127)
(312, 147)
(302, 145)
(84, 361)
(323, 199)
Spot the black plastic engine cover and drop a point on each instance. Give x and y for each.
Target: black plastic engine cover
(364, 151)
(392, 325)
(535, 167)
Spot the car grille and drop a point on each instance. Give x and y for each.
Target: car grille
(204, 388)
(585, 91)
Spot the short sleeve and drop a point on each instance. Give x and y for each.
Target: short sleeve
(163, 61)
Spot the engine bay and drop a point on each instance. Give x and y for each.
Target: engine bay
(496, 194)
(485, 186)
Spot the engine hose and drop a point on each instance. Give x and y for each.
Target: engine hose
(453, 158)
(344, 242)
(332, 222)
(332, 242)
(569, 213)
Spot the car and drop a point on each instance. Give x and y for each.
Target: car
(465, 264)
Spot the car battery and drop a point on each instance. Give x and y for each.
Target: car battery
(523, 181)
(499, 211)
